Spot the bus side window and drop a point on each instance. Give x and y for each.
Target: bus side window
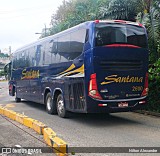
(64, 48)
(54, 50)
(78, 39)
(14, 61)
(47, 60)
(87, 36)
(54, 46)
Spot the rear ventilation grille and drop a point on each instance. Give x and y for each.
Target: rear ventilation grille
(76, 95)
(121, 65)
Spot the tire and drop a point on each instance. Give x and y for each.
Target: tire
(16, 98)
(50, 104)
(62, 112)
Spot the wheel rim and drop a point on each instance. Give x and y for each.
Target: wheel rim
(60, 106)
(49, 103)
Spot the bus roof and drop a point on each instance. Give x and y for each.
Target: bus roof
(82, 25)
(118, 21)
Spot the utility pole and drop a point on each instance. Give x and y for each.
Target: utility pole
(45, 30)
(10, 50)
(10, 53)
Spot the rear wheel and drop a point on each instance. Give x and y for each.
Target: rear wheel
(50, 104)
(62, 112)
(16, 98)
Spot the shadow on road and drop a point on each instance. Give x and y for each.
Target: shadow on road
(102, 120)
(94, 120)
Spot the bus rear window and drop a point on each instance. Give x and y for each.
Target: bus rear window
(107, 34)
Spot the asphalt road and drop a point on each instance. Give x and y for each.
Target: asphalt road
(84, 130)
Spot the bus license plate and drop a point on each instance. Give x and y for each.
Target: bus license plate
(123, 104)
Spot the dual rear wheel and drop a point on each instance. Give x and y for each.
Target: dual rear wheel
(54, 106)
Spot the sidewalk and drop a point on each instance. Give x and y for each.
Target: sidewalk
(13, 134)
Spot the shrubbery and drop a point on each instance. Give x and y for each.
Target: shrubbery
(154, 87)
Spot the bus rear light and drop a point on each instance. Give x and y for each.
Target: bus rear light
(120, 21)
(141, 25)
(10, 87)
(93, 89)
(146, 89)
(96, 21)
(102, 105)
(142, 102)
(122, 45)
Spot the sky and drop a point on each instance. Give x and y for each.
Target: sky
(21, 19)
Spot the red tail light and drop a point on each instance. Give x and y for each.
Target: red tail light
(145, 90)
(122, 45)
(96, 21)
(10, 87)
(93, 90)
(120, 21)
(141, 25)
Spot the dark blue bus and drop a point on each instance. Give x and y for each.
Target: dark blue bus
(94, 67)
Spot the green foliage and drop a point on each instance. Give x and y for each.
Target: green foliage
(150, 17)
(4, 55)
(121, 9)
(154, 87)
(74, 12)
(2, 73)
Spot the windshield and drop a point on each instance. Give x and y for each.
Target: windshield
(106, 34)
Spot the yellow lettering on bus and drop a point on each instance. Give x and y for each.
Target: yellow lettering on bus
(116, 79)
(32, 74)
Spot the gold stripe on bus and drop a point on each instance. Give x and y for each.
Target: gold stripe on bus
(70, 68)
(79, 70)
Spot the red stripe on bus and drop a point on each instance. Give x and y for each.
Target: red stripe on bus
(123, 45)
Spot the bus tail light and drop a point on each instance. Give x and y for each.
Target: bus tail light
(122, 45)
(141, 25)
(93, 89)
(120, 21)
(142, 102)
(96, 21)
(102, 105)
(10, 87)
(145, 90)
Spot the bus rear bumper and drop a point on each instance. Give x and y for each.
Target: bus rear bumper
(113, 107)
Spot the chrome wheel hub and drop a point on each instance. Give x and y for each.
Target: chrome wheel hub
(49, 103)
(60, 106)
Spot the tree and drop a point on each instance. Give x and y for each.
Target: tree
(73, 12)
(121, 9)
(150, 17)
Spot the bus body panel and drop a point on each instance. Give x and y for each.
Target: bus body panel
(116, 82)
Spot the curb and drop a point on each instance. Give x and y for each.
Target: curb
(59, 146)
(148, 113)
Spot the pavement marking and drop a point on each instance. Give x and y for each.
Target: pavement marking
(9, 105)
(59, 146)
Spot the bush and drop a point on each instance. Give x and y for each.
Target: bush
(154, 87)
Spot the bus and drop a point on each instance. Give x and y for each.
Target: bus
(97, 66)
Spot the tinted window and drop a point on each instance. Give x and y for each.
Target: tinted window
(55, 57)
(47, 59)
(106, 34)
(71, 45)
(78, 40)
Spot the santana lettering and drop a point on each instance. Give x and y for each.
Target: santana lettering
(116, 79)
(32, 74)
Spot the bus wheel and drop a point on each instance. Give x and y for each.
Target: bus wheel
(60, 107)
(50, 105)
(16, 98)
